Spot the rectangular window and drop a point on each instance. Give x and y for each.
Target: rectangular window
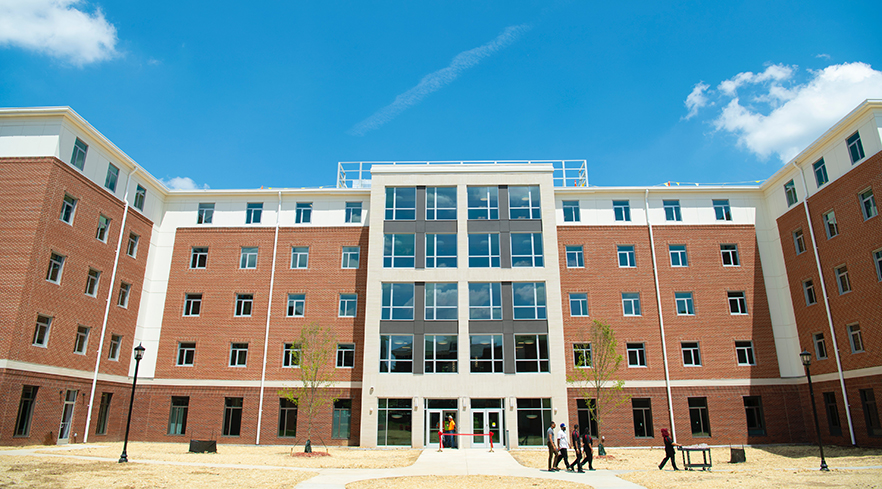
(350, 256)
(832, 414)
(627, 256)
(394, 422)
(253, 212)
(287, 418)
(622, 210)
(82, 340)
(348, 305)
(291, 355)
(636, 354)
(192, 304)
(68, 207)
(103, 412)
(25, 411)
(115, 345)
(400, 203)
(877, 258)
(722, 210)
(296, 305)
(132, 247)
(485, 353)
(56, 265)
(345, 355)
(578, 305)
(140, 197)
(571, 211)
(353, 212)
(698, 416)
(92, 282)
(799, 242)
(41, 331)
(820, 346)
(398, 251)
(186, 354)
(575, 256)
(678, 255)
(868, 204)
(103, 227)
(744, 353)
(303, 213)
(441, 203)
(820, 170)
(529, 300)
(685, 305)
(483, 202)
(523, 202)
(855, 148)
(440, 251)
(341, 419)
(232, 416)
(855, 339)
(441, 354)
(397, 302)
(485, 301)
(205, 213)
(730, 255)
(582, 355)
(238, 354)
(299, 256)
(396, 354)
(526, 250)
(78, 158)
(790, 193)
(248, 258)
(830, 225)
(177, 415)
(441, 301)
(484, 250)
(753, 409)
(642, 410)
(672, 210)
(809, 288)
(691, 354)
(122, 299)
(871, 412)
(842, 280)
(531, 353)
(737, 303)
(244, 302)
(111, 178)
(198, 257)
(631, 303)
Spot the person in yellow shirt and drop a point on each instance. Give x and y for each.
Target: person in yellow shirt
(450, 441)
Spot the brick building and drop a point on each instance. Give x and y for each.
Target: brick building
(457, 290)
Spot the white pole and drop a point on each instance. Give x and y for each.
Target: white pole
(269, 308)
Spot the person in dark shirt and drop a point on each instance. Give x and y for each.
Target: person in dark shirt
(669, 450)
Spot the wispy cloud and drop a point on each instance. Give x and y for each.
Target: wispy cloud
(435, 81)
(696, 100)
(59, 29)
(182, 183)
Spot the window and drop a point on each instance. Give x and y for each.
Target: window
(115, 344)
(248, 258)
(92, 282)
(820, 172)
(631, 303)
(832, 414)
(685, 305)
(140, 196)
(192, 304)
(111, 178)
(582, 355)
(68, 206)
(56, 264)
(753, 410)
(238, 354)
(177, 415)
(691, 354)
(737, 303)
(353, 212)
(441, 354)
(799, 242)
(744, 353)
(299, 256)
(41, 331)
(186, 354)
(103, 411)
(636, 354)
(400, 203)
(678, 255)
(296, 305)
(397, 301)
(348, 305)
(132, 248)
(396, 354)
(440, 203)
(243, 304)
(830, 224)
(820, 346)
(877, 257)
(25, 410)
(345, 355)
(350, 256)
(790, 193)
(578, 305)
(206, 213)
(855, 148)
(809, 288)
(575, 256)
(868, 204)
(571, 211)
(303, 213)
(531, 353)
(198, 257)
(672, 210)
(253, 212)
(523, 202)
(730, 255)
(485, 353)
(642, 409)
(287, 418)
(78, 158)
(722, 210)
(871, 412)
(82, 340)
(483, 202)
(855, 339)
(394, 422)
(440, 251)
(698, 416)
(533, 417)
(291, 354)
(122, 299)
(842, 279)
(622, 210)
(341, 419)
(484, 250)
(627, 257)
(398, 251)
(441, 301)
(526, 250)
(485, 301)
(529, 300)
(103, 226)
(232, 416)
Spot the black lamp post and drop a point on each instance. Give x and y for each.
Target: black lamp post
(139, 354)
(806, 358)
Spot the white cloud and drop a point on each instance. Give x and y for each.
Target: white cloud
(435, 81)
(773, 73)
(183, 183)
(697, 99)
(57, 28)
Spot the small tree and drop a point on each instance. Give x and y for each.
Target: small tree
(314, 354)
(594, 375)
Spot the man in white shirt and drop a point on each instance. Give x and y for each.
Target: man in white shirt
(563, 443)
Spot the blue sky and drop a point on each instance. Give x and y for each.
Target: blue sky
(235, 95)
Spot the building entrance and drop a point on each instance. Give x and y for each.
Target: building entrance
(437, 411)
(70, 400)
(487, 417)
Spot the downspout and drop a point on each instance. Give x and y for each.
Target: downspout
(661, 317)
(269, 309)
(122, 229)
(808, 219)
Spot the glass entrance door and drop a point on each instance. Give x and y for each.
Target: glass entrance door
(70, 399)
(436, 420)
(487, 421)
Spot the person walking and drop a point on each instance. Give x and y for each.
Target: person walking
(669, 450)
(587, 448)
(563, 443)
(552, 447)
(577, 448)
